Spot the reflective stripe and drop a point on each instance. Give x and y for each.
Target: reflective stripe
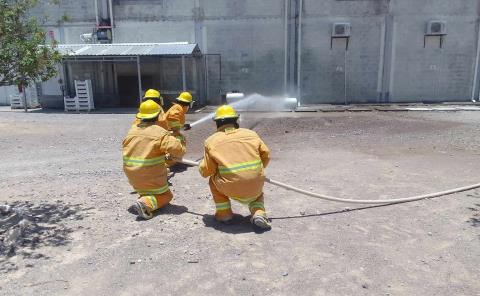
(244, 200)
(141, 162)
(239, 167)
(160, 190)
(256, 205)
(174, 123)
(222, 206)
(153, 201)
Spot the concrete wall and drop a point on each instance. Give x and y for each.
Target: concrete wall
(433, 73)
(386, 59)
(329, 72)
(5, 92)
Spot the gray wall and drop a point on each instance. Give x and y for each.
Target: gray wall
(386, 59)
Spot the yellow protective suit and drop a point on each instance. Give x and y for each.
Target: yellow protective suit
(175, 119)
(235, 160)
(144, 150)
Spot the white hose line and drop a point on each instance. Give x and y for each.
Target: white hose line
(356, 201)
(371, 201)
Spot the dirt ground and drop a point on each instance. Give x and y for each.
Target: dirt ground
(64, 173)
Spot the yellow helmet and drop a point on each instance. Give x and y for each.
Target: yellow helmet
(185, 97)
(225, 111)
(148, 110)
(154, 95)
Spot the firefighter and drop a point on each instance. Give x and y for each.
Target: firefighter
(155, 96)
(144, 150)
(235, 159)
(175, 116)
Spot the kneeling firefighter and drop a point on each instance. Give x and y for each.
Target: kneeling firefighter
(175, 116)
(175, 119)
(235, 159)
(144, 150)
(155, 96)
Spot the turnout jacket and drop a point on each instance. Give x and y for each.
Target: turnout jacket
(144, 150)
(235, 160)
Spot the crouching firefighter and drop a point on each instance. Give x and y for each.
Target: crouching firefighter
(155, 96)
(144, 150)
(235, 159)
(175, 116)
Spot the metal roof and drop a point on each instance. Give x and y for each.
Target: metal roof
(130, 49)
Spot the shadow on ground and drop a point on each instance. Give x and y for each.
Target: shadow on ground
(170, 209)
(475, 220)
(239, 224)
(26, 227)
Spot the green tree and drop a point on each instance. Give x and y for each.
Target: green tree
(25, 57)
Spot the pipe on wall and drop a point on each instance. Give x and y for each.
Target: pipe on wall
(392, 60)
(299, 51)
(112, 24)
(96, 12)
(477, 57)
(285, 67)
(381, 64)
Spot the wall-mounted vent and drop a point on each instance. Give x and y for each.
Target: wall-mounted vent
(436, 28)
(341, 30)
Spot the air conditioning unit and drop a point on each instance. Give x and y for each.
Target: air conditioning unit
(436, 28)
(341, 30)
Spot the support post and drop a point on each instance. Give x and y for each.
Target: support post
(206, 78)
(184, 81)
(139, 73)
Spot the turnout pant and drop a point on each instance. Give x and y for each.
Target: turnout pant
(223, 206)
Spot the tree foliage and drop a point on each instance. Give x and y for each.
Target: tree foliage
(24, 55)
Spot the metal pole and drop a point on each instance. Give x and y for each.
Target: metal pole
(206, 78)
(220, 70)
(299, 51)
(139, 73)
(184, 82)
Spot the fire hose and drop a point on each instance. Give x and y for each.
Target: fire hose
(355, 201)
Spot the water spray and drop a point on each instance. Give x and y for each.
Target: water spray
(254, 102)
(355, 201)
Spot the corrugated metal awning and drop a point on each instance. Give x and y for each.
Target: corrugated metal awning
(129, 49)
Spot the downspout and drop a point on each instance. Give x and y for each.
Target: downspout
(299, 51)
(381, 65)
(96, 12)
(112, 24)
(392, 61)
(285, 67)
(475, 74)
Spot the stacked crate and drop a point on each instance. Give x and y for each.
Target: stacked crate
(83, 101)
(16, 100)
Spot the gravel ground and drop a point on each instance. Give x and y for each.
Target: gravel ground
(62, 173)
